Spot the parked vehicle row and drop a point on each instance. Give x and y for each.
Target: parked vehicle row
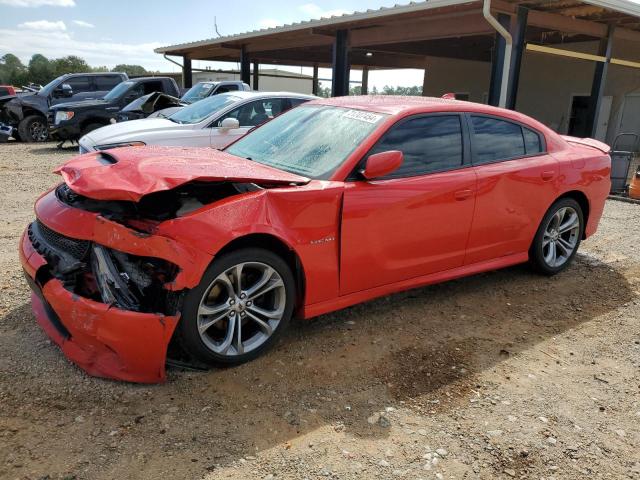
(27, 113)
(332, 203)
(213, 122)
(75, 104)
(69, 121)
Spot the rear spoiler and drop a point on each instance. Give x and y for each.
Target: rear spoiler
(588, 142)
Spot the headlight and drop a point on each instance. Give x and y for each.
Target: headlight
(63, 116)
(116, 145)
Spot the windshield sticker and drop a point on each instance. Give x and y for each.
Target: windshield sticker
(362, 116)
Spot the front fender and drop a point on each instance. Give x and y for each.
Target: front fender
(306, 218)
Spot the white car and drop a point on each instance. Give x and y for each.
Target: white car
(212, 122)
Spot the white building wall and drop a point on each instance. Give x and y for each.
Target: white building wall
(265, 83)
(547, 82)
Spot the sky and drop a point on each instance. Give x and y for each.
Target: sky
(127, 31)
(118, 31)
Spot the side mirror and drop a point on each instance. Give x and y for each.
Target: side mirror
(67, 91)
(229, 124)
(382, 164)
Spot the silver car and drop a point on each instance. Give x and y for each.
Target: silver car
(212, 122)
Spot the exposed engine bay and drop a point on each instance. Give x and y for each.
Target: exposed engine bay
(106, 275)
(155, 207)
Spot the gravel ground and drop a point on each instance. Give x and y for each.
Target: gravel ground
(501, 375)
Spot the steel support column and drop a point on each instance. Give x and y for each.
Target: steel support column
(599, 81)
(256, 76)
(497, 62)
(315, 87)
(519, 44)
(340, 64)
(187, 75)
(364, 88)
(424, 82)
(245, 66)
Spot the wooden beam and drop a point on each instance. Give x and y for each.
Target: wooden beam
(625, 63)
(561, 23)
(305, 40)
(565, 53)
(428, 29)
(564, 24)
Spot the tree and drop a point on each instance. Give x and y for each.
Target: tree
(40, 69)
(12, 71)
(131, 70)
(70, 64)
(324, 92)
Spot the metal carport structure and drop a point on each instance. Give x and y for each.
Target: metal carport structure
(407, 36)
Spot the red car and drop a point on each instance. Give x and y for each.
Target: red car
(208, 254)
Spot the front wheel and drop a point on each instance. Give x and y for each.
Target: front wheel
(33, 129)
(558, 237)
(241, 306)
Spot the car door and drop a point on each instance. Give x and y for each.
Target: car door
(416, 221)
(516, 185)
(249, 115)
(80, 87)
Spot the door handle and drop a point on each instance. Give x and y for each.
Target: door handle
(463, 194)
(547, 175)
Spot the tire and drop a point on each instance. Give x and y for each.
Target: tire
(91, 127)
(33, 128)
(217, 293)
(553, 249)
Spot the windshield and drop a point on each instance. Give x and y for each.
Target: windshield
(310, 140)
(118, 90)
(198, 92)
(48, 88)
(196, 112)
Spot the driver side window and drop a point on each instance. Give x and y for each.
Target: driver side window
(429, 144)
(254, 113)
(135, 92)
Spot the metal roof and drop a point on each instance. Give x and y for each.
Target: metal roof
(626, 7)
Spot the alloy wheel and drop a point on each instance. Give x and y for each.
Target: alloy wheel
(241, 308)
(38, 131)
(561, 237)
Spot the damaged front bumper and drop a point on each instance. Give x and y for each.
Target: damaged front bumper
(107, 295)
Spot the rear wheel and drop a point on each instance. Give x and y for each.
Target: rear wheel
(33, 129)
(558, 237)
(242, 305)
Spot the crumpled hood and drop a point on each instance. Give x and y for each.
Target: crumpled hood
(132, 172)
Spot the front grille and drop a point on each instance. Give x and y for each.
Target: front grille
(76, 248)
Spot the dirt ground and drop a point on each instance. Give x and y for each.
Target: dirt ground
(501, 375)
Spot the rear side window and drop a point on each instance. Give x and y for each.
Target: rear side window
(495, 140)
(107, 82)
(429, 144)
(532, 143)
(79, 84)
(152, 86)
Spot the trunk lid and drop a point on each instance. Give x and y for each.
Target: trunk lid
(588, 142)
(133, 172)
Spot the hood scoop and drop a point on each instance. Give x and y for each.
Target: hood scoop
(132, 172)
